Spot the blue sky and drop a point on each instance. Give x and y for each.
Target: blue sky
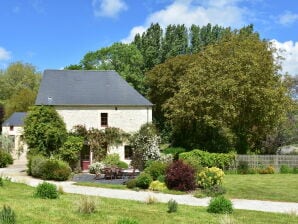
(56, 33)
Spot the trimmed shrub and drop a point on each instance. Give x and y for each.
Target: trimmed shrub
(7, 215)
(127, 221)
(157, 186)
(209, 177)
(206, 159)
(214, 191)
(5, 159)
(86, 205)
(36, 165)
(285, 169)
(143, 180)
(55, 169)
(131, 183)
(46, 190)
(180, 176)
(267, 170)
(114, 160)
(172, 206)
(156, 169)
(161, 178)
(220, 205)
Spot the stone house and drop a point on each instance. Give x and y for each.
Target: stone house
(95, 99)
(13, 128)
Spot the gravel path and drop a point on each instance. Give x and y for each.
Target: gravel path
(17, 174)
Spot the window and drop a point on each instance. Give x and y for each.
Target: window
(127, 152)
(104, 119)
(11, 128)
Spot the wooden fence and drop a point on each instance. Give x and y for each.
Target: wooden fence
(257, 161)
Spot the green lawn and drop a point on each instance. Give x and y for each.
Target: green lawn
(64, 210)
(274, 187)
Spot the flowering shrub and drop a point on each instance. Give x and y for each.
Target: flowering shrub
(166, 158)
(157, 186)
(145, 144)
(180, 176)
(209, 177)
(96, 167)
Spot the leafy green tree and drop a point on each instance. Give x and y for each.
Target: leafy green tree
(16, 80)
(126, 59)
(70, 150)
(175, 41)
(230, 96)
(20, 101)
(149, 44)
(44, 130)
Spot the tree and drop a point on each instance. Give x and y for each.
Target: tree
(126, 59)
(16, 80)
(20, 101)
(70, 150)
(44, 130)
(231, 96)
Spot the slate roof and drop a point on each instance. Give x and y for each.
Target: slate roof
(87, 87)
(16, 119)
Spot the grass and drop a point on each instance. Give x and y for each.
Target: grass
(122, 187)
(273, 187)
(64, 210)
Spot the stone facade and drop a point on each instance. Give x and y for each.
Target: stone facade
(20, 148)
(127, 118)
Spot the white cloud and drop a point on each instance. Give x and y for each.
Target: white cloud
(288, 50)
(108, 8)
(188, 12)
(288, 18)
(4, 54)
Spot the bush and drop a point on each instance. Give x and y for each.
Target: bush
(5, 159)
(209, 177)
(243, 167)
(36, 165)
(46, 190)
(131, 183)
(206, 159)
(295, 170)
(49, 169)
(220, 205)
(143, 180)
(267, 170)
(156, 169)
(180, 176)
(86, 205)
(172, 206)
(127, 221)
(214, 191)
(157, 186)
(285, 169)
(114, 160)
(95, 168)
(161, 178)
(55, 169)
(7, 215)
